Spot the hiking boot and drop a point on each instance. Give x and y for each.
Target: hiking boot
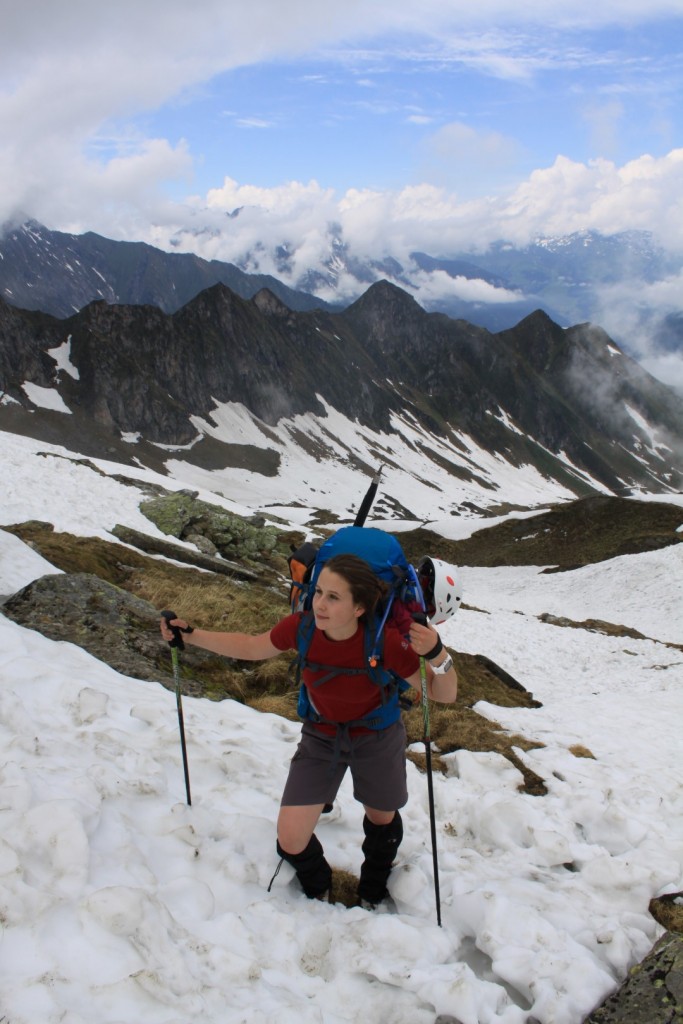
(380, 846)
(312, 870)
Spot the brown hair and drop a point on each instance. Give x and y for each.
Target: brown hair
(366, 588)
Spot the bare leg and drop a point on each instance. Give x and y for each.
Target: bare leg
(295, 826)
(379, 817)
(300, 847)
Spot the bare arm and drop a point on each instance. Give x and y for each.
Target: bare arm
(242, 646)
(441, 688)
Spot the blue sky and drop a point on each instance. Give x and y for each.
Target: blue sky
(437, 126)
(380, 116)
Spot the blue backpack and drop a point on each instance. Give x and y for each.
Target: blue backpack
(384, 555)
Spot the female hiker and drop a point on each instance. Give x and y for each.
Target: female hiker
(333, 737)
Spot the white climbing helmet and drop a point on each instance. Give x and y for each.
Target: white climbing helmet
(441, 587)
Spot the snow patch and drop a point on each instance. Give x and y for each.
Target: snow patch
(62, 356)
(45, 398)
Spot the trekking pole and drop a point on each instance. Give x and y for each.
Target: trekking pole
(422, 618)
(367, 501)
(177, 643)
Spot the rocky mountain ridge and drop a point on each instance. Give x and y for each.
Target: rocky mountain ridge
(60, 273)
(566, 402)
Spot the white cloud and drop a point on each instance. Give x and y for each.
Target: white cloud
(253, 122)
(666, 367)
(571, 196)
(284, 200)
(632, 310)
(293, 214)
(71, 82)
(557, 200)
(440, 285)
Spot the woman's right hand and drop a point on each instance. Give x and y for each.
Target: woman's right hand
(165, 624)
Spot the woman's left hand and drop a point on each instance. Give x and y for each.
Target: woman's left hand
(422, 638)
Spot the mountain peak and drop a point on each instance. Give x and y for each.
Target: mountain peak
(384, 293)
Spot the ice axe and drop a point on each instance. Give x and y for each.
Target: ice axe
(367, 501)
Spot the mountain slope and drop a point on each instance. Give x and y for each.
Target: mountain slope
(569, 391)
(61, 273)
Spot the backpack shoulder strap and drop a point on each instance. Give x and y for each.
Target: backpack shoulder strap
(304, 635)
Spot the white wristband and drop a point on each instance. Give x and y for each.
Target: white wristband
(445, 666)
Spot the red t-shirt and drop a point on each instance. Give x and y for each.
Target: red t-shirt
(345, 698)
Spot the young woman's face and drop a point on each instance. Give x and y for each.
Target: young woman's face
(335, 611)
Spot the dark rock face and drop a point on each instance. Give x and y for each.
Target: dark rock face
(24, 339)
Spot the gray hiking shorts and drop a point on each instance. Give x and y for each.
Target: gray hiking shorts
(377, 761)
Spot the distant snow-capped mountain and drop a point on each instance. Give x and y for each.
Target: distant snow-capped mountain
(494, 287)
(60, 273)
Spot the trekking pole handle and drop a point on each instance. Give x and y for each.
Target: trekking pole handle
(420, 617)
(177, 640)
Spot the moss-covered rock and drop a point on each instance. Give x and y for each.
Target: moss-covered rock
(111, 624)
(185, 516)
(652, 992)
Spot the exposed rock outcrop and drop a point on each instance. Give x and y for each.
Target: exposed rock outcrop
(653, 991)
(209, 527)
(114, 626)
(202, 558)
